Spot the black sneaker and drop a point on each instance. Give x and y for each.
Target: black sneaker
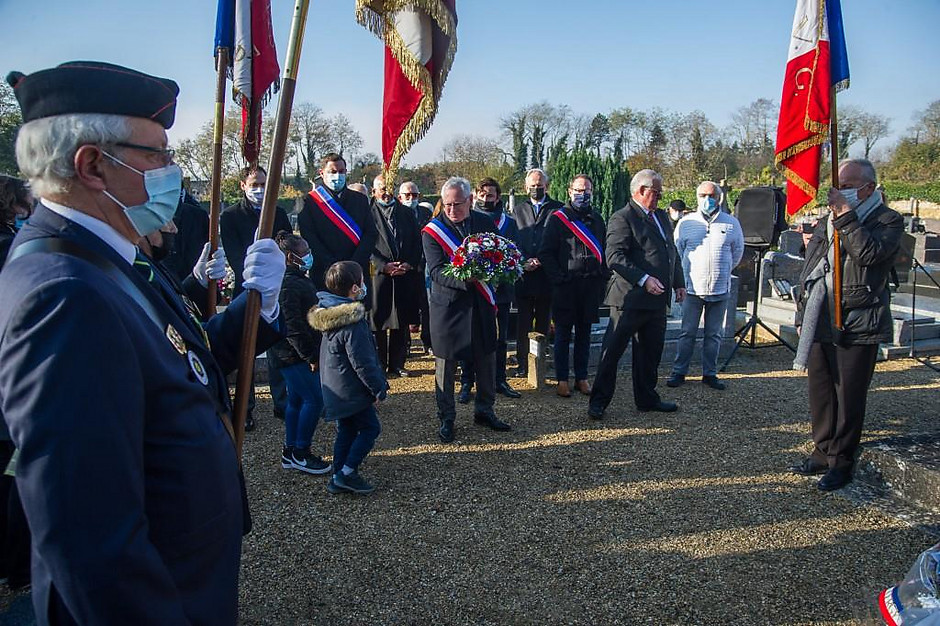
(676, 380)
(713, 382)
(333, 488)
(286, 461)
(353, 482)
(310, 463)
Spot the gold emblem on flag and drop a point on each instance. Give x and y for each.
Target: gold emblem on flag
(176, 339)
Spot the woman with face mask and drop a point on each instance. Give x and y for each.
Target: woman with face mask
(300, 358)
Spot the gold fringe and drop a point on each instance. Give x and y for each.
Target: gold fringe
(376, 16)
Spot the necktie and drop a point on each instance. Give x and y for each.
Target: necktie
(188, 310)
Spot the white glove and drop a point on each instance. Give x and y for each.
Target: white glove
(264, 272)
(207, 269)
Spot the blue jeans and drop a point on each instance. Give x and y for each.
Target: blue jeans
(582, 350)
(355, 436)
(711, 342)
(304, 404)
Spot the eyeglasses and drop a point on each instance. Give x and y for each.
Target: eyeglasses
(654, 191)
(410, 195)
(166, 153)
(451, 205)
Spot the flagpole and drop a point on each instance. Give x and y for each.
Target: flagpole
(836, 247)
(215, 190)
(268, 210)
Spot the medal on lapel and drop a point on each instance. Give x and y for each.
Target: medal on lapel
(196, 365)
(176, 339)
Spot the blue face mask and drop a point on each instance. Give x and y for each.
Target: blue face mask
(306, 261)
(851, 196)
(334, 180)
(707, 205)
(363, 290)
(581, 200)
(18, 223)
(255, 195)
(163, 193)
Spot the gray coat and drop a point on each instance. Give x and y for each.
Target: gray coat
(350, 374)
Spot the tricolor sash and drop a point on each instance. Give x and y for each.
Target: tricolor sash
(449, 242)
(501, 223)
(335, 213)
(583, 233)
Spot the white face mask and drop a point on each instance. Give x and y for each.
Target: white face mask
(255, 195)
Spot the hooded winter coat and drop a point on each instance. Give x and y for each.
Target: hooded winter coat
(350, 374)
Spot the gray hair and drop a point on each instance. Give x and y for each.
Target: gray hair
(867, 169)
(716, 189)
(412, 185)
(456, 182)
(644, 178)
(45, 148)
(537, 170)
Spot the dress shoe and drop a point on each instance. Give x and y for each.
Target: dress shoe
(836, 478)
(562, 389)
(489, 419)
(521, 374)
(595, 413)
(446, 432)
(463, 397)
(661, 407)
(809, 467)
(676, 380)
(398, 373)
(249, 424)
(583, 386)
(713, 382)
(504, 389)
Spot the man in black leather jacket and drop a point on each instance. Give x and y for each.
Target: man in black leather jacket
(840, 362)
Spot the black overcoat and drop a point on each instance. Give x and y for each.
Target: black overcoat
(237, 226)
(531, 228)
(395, 298)
(460, 315)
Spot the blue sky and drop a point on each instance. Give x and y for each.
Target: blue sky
(593, 55)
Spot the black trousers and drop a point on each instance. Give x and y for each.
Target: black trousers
(467, 373)
(14, 531)
(392, 347)
(537, 310)
(838, 391)
(646, 329)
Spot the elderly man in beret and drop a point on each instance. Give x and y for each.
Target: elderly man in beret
(117, 403)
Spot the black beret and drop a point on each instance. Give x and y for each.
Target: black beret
(94, 87)
(678, 205)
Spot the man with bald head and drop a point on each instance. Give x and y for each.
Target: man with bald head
(397, 283)
(115, 396)
(710, 244)
(839, 361)
(642, 256)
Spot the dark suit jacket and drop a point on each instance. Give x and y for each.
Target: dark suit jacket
(128, 477)
(531, 230)
(328, 243)
(192, 225)
(237, 226)
(454, 303)
(635, 247)
(395, 298)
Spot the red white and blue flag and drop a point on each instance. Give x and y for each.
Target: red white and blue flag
(584, 234)
(420, 39)
(817, 66)
(244, 27)
(449, 243)
(335, 213)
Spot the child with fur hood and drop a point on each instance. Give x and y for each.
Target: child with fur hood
(353, 382)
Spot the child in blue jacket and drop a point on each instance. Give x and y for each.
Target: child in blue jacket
(353, 382)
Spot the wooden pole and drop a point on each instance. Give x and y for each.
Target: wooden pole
(836, 247)
(268, 208)
(215, 189)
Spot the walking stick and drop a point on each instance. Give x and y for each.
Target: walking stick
(266, 223)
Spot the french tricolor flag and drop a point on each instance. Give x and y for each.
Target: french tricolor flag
(817, 67)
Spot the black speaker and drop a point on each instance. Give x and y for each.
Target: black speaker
(762, 212)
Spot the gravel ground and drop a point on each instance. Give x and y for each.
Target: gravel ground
(685, 518)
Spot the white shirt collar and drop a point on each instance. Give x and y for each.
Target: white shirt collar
(106, 233)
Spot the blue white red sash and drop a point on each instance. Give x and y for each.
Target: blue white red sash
(449, 242)
(335, 213)
(583, 233)
(501, 223)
